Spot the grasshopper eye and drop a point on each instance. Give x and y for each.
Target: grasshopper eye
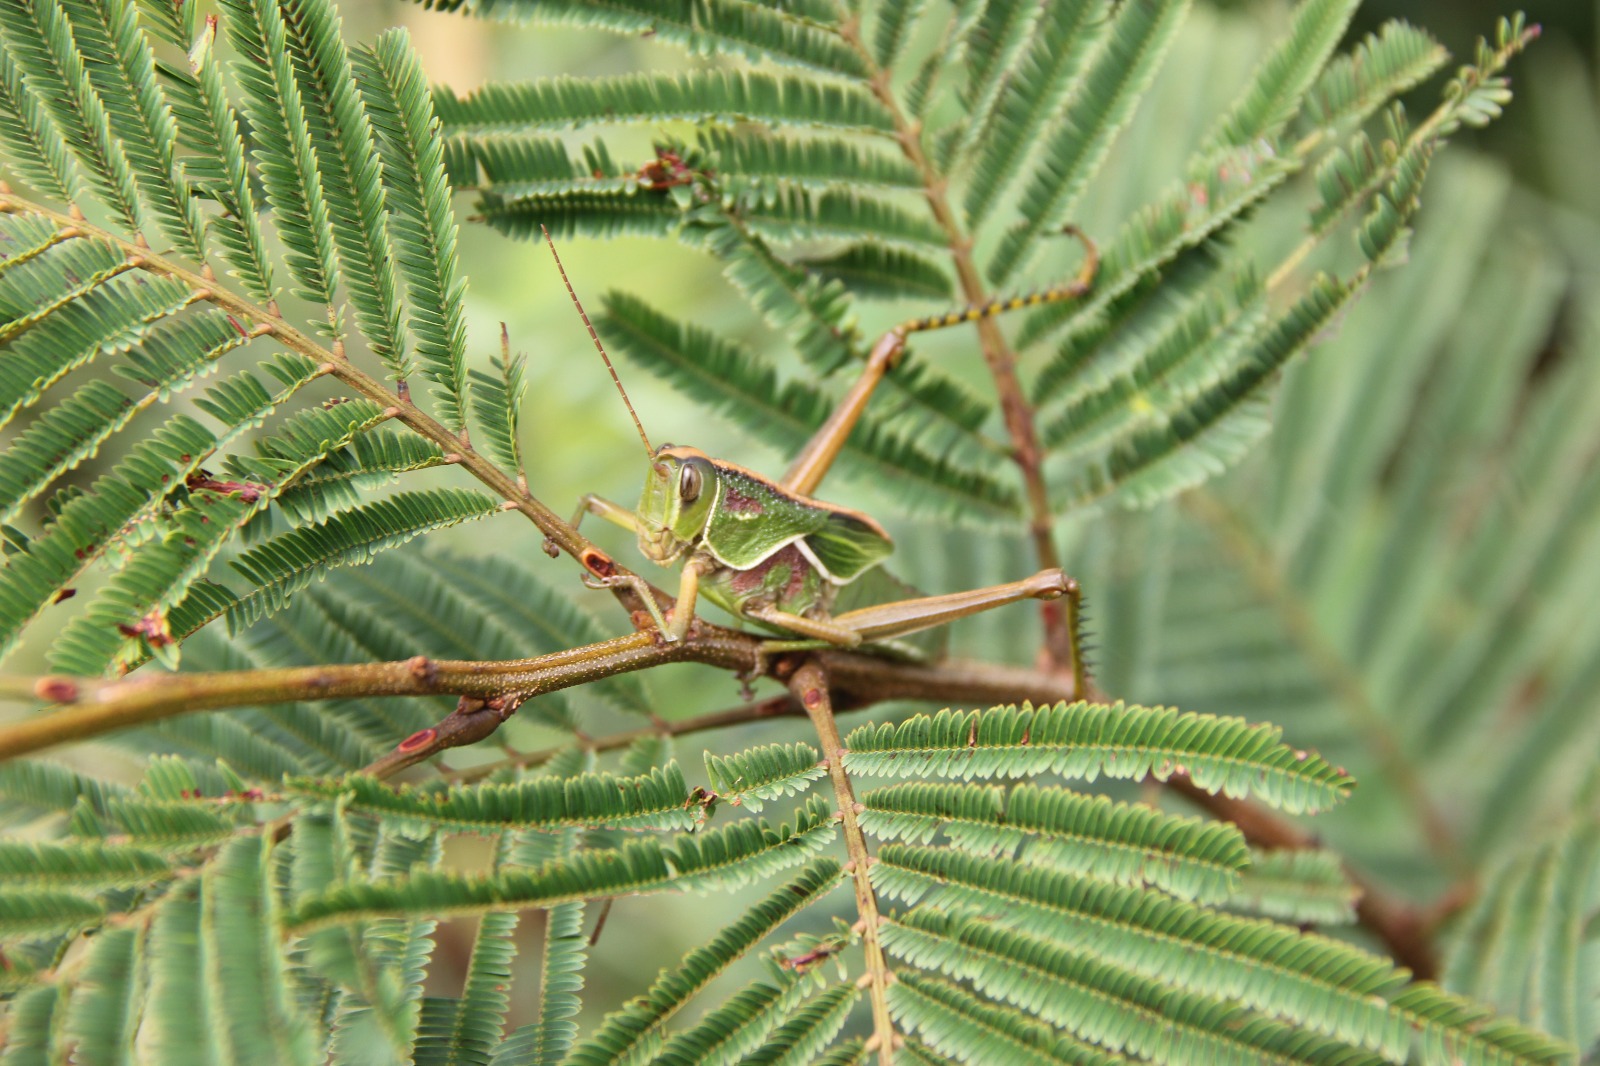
(689, 483)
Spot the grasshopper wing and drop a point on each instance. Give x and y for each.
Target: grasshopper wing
(848, 544)
(754, 518)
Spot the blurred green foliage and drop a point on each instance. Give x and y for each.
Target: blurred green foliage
(1190, 605)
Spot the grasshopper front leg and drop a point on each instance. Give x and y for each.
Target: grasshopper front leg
(674, 625)
(681, 617)
(601, 507)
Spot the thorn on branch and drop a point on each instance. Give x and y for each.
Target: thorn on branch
(600, 922)
(505, 706)
(423, 669)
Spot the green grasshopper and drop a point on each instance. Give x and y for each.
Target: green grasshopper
(769, 552)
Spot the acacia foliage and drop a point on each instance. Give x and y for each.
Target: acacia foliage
(193, 192)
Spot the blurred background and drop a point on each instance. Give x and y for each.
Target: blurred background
(1541, 165)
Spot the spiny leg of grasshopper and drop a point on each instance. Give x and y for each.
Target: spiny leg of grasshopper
(811, 466)
(816, 458)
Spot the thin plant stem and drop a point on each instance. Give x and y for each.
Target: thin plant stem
(91, 707)
(809, 684)
(1449, 111)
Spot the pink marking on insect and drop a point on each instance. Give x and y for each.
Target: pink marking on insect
(753, 578)
(756, 576)
(737, 502)
(797, 574)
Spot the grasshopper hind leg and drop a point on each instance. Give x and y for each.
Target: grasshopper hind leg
(902, 617)
(824, 629)
(909, 616)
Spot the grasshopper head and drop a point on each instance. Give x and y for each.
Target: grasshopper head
(678, 493)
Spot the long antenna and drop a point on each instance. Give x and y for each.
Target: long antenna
(601, 348)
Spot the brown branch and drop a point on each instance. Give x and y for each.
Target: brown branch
(859, 681)
(776, 707)
(809, 684)
(94, 707)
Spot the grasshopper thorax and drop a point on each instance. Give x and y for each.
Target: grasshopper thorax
(680, 491)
